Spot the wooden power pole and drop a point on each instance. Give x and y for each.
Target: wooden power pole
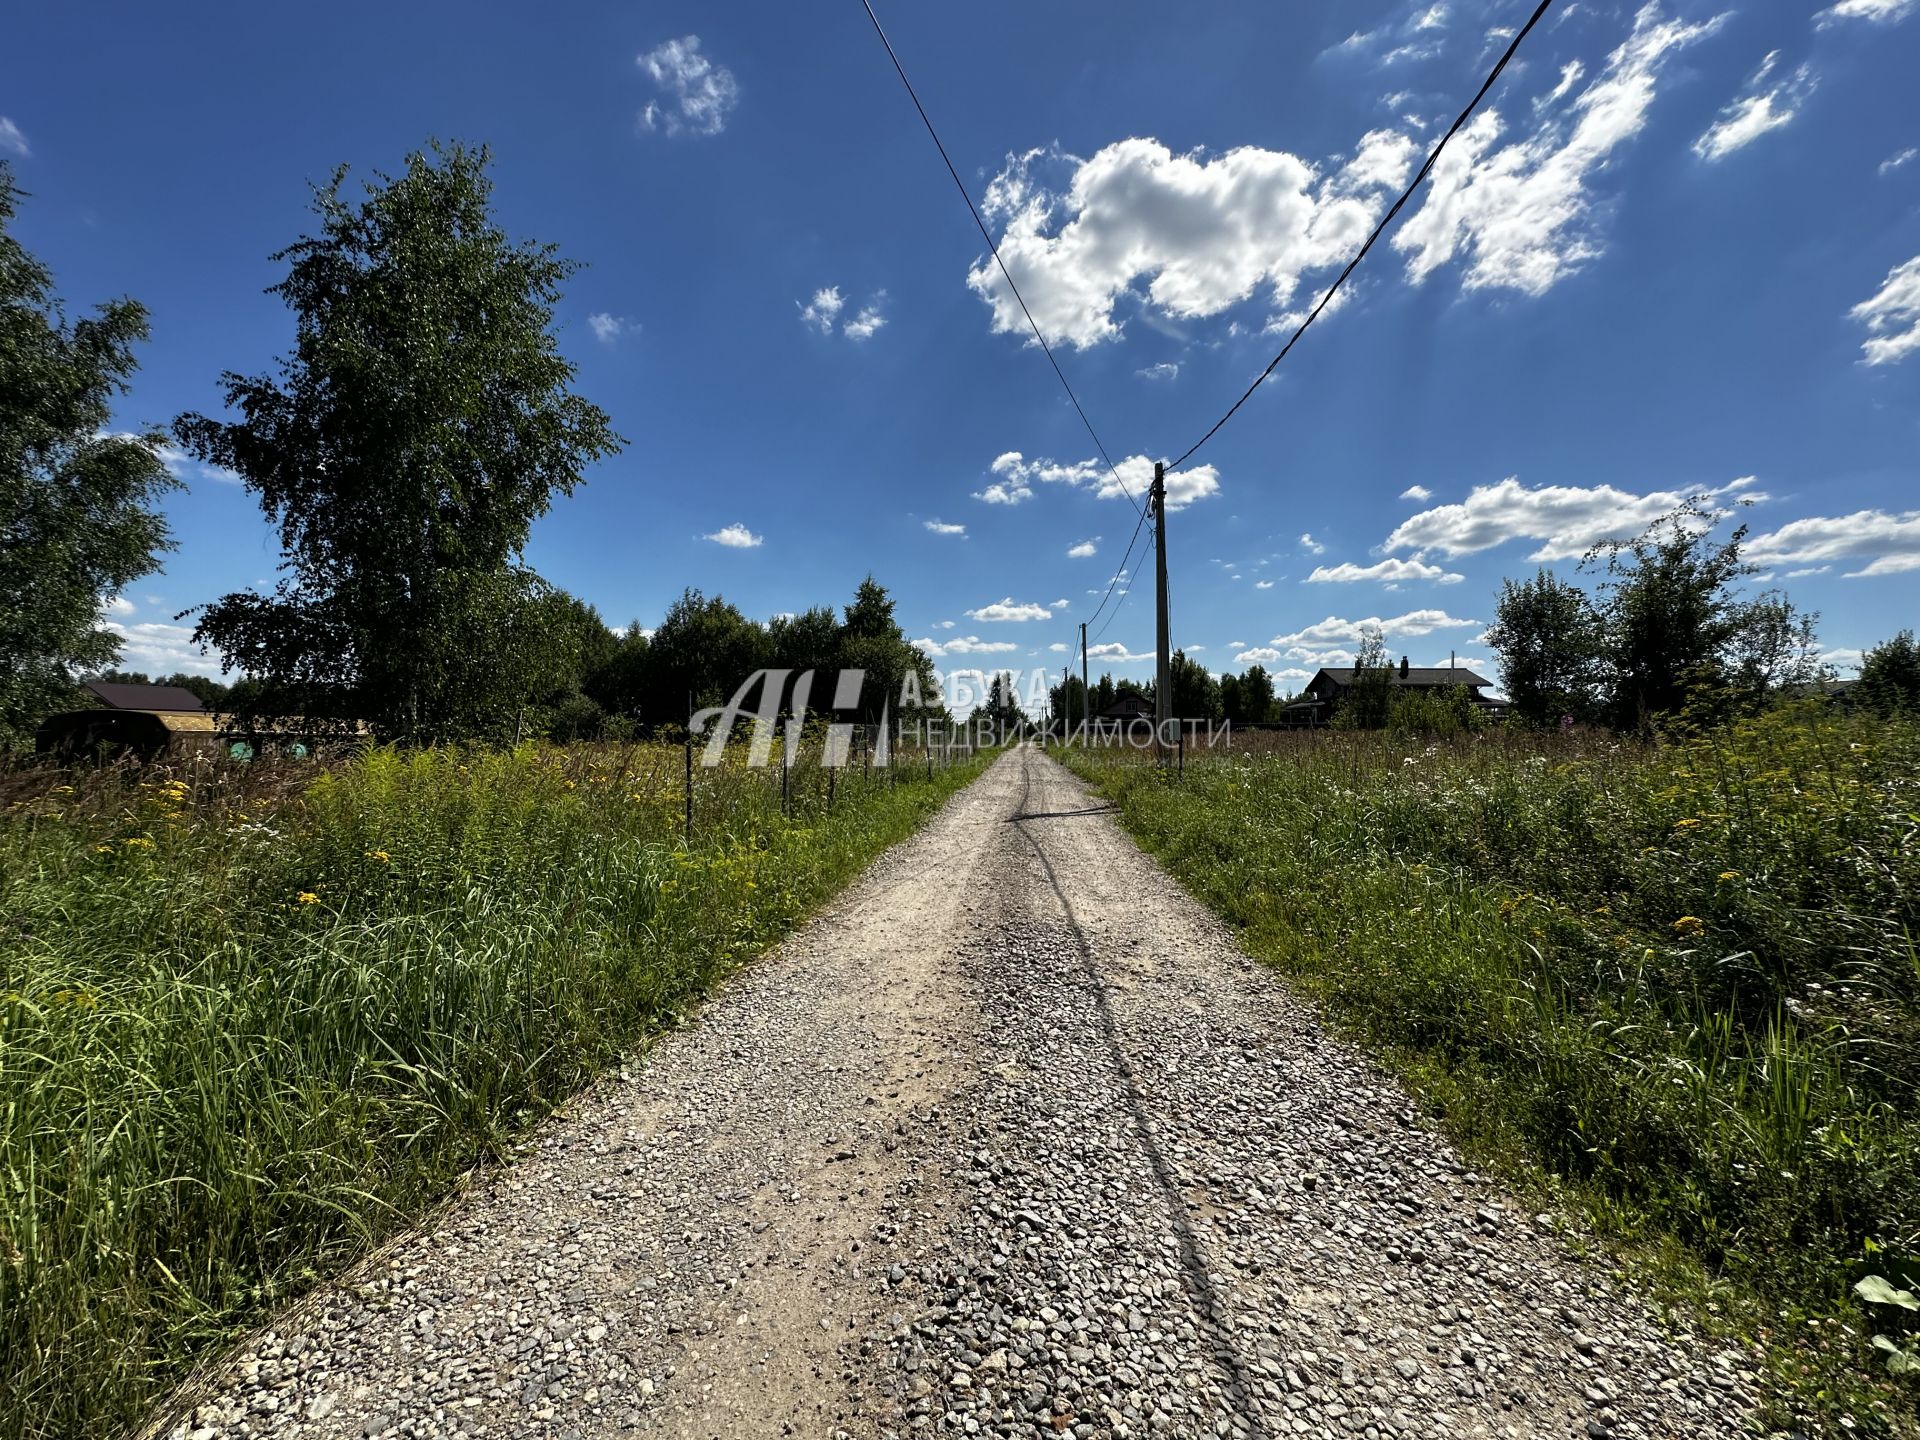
(1162, 661)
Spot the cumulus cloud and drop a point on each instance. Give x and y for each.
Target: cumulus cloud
(12, 139)
(823, 309)
(1259, 655)
(864, 325)
(1009, 609)
(609, 328)
(1199, 234)
(1517, 214)
(179, 463)
(1335, 630)
(737, 537)
(1889, 544)
(1114, 652)
(1884, 12)
(965, 645)
(1311, 545)
(941, 527)
(696, 96)
(117, 605)
(1416, 492)
(1895, 161)
(1084, 549)
(1892, 316)
(1393, 570)
(1129, 478)
(162, 649)
(1569, 520)
(1766, 104)
(1263, 584)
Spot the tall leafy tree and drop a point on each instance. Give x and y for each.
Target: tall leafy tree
(872, 641)
(78, 516)
(420, 425)
(1368, 702)
(1549, 641)
(1196, 694)
(1890, 676)
(704, 649)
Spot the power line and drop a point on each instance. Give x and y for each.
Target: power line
(1378, 230)
(1119, 570)
(987, 235)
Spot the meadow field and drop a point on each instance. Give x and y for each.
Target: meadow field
(255, 1019)
(1675, 987)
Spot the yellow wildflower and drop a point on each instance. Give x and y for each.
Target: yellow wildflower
(1685, 824)
(137, 842)
(380, 856)
(1689, 925)
(103, 849)
(307, 897)
(1729, 874)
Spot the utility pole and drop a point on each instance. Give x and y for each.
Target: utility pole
(1163, 664)
(1086, 695)
(1066, 700)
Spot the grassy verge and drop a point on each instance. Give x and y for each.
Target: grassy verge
(1675, 987)
(250, 1022)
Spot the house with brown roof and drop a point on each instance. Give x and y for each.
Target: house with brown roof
(1329, 688)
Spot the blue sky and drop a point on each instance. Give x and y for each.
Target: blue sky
(1678, 252)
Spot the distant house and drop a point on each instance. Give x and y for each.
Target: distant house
(119, 695)
(1124, 713)
(1328, 689)
(153, 722)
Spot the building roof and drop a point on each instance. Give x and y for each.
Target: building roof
(1127, 707)
(120, 695)
(1418, 676)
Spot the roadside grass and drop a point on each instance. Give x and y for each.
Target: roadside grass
(1674, 988)
(254, 1020)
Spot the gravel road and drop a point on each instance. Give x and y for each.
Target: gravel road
(1011, 1141)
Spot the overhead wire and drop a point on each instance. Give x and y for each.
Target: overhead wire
(1378, 230)
(987, 235)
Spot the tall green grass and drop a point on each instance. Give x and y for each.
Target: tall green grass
(1680, 980)
(252, 1021)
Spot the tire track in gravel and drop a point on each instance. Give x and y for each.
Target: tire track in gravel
(1013, 1141)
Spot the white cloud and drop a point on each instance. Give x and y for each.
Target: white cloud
(821, 311)
(1084, 549)
(1416, 492)
(1061, 604)
(12, 139)
(1884, 12)
(1263, 584)
(117, 605)
(696, 94)
(1008, 609)
(944, 625)
(1165, 370)
(1761, 108)
(609, 328)
(1311, 545)
(1568, 519)
(1843, 657)
(941, 527)
(965, 645)
(1114, 652)
(737, 537)
(865, 324)
(1203, 234)
(1336, 631)
(1805, 571)
(1386, 570)
(160, 649)
(1260, 655)
(1888, 543)
(1892, 315)
(1517, 214)
(1059, 647)
(1894, 162)
(1129, 478)
(179, 463)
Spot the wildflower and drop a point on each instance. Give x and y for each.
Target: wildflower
(1729, 874)
(307, 897)
(137, 842)
(1689, 925)
(567, 784)
(1685, 824)
(103, 849)
(380, 856)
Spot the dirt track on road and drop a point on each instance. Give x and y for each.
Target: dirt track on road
(1009, 1140)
